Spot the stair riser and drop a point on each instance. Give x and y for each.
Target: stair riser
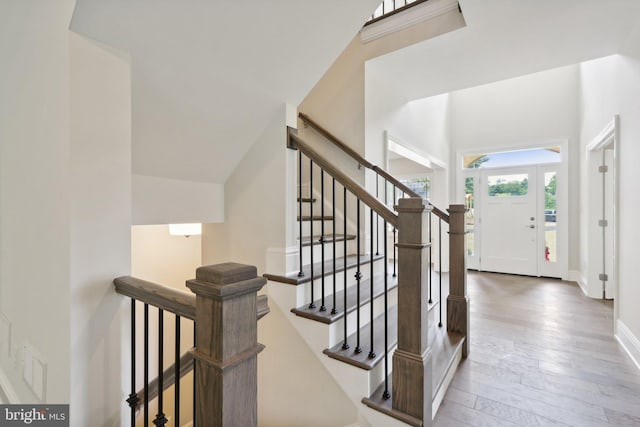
(365, 270)
(328, 251)
(336, 334)
(317, 227)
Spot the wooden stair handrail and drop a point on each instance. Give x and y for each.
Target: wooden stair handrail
(364, 162)
(177, 302)
(170, 299)
(380, 208)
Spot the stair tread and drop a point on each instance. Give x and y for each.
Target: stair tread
(444, 347)
(328, 238)
(365, 293)
(362, 360)
(293, 278)
(316, 218)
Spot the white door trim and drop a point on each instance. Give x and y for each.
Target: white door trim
(563, 189)
(607, 139)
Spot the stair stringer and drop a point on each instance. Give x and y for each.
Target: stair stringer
(355, 382)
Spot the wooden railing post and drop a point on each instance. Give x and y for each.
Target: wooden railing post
(458, 301)
(412, 375)
(226, 344)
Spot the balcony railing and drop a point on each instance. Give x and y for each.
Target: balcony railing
(391, 7)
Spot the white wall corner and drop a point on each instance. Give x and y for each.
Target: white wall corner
(291, 116)
(282, 261)
(576, 276)
(414, 15)
(629, 341)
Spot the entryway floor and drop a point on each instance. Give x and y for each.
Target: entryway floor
(541, 353)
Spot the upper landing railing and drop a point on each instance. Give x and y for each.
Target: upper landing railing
(391, 7)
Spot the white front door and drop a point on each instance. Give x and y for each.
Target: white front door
(509, 223)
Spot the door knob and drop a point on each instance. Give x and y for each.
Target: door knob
(532, 218)
(530, 226)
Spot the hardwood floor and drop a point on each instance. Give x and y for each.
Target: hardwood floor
(542, 354)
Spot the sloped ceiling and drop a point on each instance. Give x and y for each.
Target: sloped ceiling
(508, 38)
(209, 75)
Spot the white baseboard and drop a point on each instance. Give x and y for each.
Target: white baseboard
(7, 389)
(576, 276)
(629, 341)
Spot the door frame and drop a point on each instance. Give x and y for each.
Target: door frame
(562, 194)
(607, 139)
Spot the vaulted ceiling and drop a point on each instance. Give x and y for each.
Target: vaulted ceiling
(208, 76)
(509, 38)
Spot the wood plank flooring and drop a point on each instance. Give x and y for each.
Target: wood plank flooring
(542, 354)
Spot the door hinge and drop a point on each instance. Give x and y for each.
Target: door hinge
(603, 223)
(603, 277)
(603, 169)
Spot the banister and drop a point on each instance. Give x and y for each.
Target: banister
(362, 194)
(183, 304)
(173, 300)
(439, 213)
(169, 299)
(364, 162)
(336, 141)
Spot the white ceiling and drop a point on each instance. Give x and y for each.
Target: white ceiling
(505, 39)
(208, 76)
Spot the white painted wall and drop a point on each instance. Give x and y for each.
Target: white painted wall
(532, 109)
(611, 86)
(338, 100)
(158, 200)
(423, 126)
(100, 218)
(259, 196)
(34, 190)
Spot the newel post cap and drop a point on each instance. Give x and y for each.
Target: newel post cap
(226, 280)
(457, 209)
(413, 204)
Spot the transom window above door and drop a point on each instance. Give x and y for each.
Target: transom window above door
(499, 159)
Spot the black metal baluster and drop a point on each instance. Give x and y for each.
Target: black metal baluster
(394, 234)
(372, 353)
(429, 278)
(345, 345)
(440, 269)
(386, 395)
(358, 350)
(312, 304)
(334, 310)
(133, 396)
(195, 366)
(394, 251)
(160, 420)
(176, 373)
(322, 239)
(300, 273)
(377, 217)
(146, 365)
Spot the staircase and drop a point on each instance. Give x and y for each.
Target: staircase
(370, 296)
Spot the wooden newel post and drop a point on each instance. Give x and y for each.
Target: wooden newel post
(458, 301)
(412, 376)
(227, 345)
